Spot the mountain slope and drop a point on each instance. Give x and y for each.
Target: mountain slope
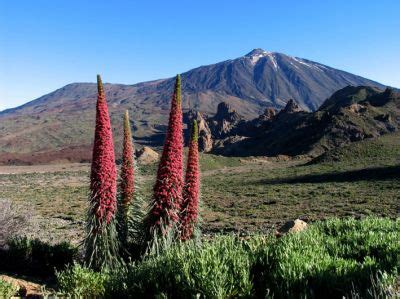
(62, 121)
(273, 78)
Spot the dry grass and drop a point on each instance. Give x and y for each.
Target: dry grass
(237, 194)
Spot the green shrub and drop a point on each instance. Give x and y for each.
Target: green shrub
(7, 290)
(78, 281)
(19, 249)
(37, 257)
(331, 259)
(51, 257)
(216, 269)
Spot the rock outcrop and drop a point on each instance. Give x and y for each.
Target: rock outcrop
(351, 114)
(146, 156)
(224, 122)
(268, 114)
(291, 107)
(205, 137)
(263, 121)
(217, 130)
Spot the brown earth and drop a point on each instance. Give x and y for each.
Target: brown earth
(80, 154)
(26, 289)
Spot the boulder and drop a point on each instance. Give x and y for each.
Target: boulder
(291, 227)
(146, 155)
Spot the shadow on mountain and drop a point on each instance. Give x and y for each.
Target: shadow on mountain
(369, 174)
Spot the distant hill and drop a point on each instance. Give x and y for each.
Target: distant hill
(59, 125)
(351, 114)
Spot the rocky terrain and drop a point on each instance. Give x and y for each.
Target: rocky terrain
(58, 127)
(351, 114)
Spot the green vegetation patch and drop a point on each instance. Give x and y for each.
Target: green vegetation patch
(384, 150)
(330, 259)
(7, 290)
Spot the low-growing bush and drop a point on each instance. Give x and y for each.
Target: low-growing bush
(215, 269)
(7, 290)
(81, 282)
(26, 256)
(331, 259)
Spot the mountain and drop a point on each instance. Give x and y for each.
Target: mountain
(59, 125)
(350, 114)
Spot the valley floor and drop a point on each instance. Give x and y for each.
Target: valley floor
(242, 195)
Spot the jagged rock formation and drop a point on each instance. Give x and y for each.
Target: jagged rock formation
(291, 107)
(268, 115)
(217, 131)
(205, 140)
(225, 120)
(261, 123)
(350, 114)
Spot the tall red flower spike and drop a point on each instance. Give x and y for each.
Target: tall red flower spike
(103, 178)
(167, 194)
(127, 184)
(190, 205)
(101, 243)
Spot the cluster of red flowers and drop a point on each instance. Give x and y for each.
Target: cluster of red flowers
(167, 195)
(173, 201)
(190, 204)
(103, 173)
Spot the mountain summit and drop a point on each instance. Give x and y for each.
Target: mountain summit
(256, 52)
(62, 121)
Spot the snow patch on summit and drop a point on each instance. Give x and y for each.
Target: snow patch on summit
(256, 57)
(270, 55)
(272, 59)
(298, 60)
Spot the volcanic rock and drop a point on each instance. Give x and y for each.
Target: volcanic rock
(268, 114)
(205, 139)
(291, 107)
(146, 155)
(224, 121)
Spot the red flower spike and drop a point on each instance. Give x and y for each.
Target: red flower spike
(167, 193)
(103, 178)
(191, 191)
(127, 185)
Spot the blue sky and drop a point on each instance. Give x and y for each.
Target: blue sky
(46, 44)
